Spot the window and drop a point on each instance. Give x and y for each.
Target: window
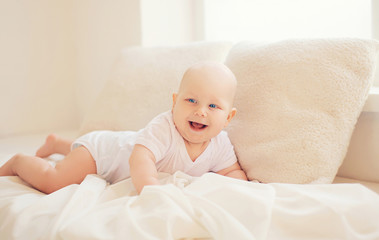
(271, 20)
(267, 20)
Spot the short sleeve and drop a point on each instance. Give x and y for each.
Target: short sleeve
(224, 155)
(156, 136)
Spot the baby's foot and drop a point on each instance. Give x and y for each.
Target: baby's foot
(48, 147)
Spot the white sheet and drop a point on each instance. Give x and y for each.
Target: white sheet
(211, 206)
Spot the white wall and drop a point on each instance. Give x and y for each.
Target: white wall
(168, 22)
(51, 51)
(36, 47)
(101, 30)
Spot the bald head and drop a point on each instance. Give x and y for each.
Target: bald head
(212, 75)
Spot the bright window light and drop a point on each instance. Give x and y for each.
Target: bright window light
(268, 20)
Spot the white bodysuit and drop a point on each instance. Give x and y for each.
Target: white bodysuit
(111, 150)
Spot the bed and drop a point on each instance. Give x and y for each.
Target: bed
(298, 105)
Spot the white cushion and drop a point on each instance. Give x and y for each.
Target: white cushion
(298, 102)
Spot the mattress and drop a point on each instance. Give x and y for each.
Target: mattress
(207, 207)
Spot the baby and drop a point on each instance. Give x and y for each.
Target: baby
(188, 138)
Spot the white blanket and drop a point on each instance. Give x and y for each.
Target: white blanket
(211, 206)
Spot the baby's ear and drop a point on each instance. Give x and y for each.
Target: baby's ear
(174, 99)
(231, 115)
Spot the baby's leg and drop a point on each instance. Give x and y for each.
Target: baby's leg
(54, 144)
(46, 178)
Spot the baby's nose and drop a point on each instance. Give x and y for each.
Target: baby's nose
(201, 111)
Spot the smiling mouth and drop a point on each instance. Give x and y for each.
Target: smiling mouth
(197, 126)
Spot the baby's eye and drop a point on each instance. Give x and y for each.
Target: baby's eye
(212, 105)
(191, 100)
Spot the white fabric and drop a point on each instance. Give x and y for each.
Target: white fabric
(298, 102)
(210, 207)
(374, 186)
(112, 150)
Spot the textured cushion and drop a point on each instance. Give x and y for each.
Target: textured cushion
(142, 83)
(298, 102)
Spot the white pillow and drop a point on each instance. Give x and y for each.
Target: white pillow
(298, 102)
(142, 83)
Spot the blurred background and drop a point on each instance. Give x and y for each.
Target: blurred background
(54, 49)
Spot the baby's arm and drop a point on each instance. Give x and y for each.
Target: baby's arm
(233, 171)
(142, 167)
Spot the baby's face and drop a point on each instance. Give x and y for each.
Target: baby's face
(203, 105)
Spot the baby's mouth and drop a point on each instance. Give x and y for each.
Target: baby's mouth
(197, 126)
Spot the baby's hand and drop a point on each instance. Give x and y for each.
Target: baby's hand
(142, 167)
(234, 171)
